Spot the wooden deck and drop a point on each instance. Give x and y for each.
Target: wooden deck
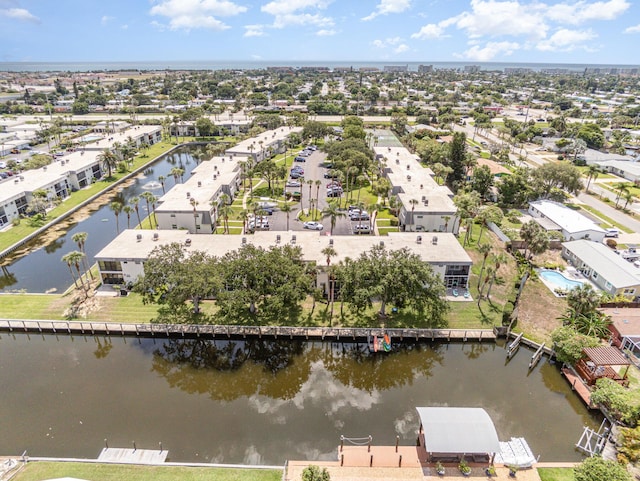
(578, 386)
(133, 456)
(379, 456)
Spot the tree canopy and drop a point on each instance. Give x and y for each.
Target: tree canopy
(398, 277)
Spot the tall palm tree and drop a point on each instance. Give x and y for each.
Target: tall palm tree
(628, 197)
(225, 213)
(150, 199)
(622, 188)
(592, 174)
(330, 252)
(483, 249)
(310, 184)
(194, 203)
(413, 203)
(332, 210)
(80, 238)
(116, 207)
(127, 209)
(318, 183)
(244, 216)
(134, 201)
(161, 179)
(286, 208)
(73, 259)
(108, 159)
(177, 173)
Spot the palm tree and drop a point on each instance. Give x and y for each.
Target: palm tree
(134, 201)
(500, 258)
(194, 203)
(225, 213)
(150, 199)
(73, 259)
(177, 173)
(332, 210)
(623, 189)
(592, 174)
(80, 238)
(286, 208)
(413, 203)
(310, 184)
(244, 217)
(318, 184)
(108, 159)
(116, 207)
(127, 209)
(628, 197)
(330, 252)
(161, 179)
(483, 249)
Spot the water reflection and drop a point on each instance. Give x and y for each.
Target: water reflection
(261, 401)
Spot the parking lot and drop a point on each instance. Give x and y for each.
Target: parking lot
(313, 167)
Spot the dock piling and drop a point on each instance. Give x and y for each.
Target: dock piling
(400, 461)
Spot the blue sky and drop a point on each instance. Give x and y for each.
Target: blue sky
(550, 31)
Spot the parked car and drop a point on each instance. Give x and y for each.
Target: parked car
(359, 216)
(15, 151)
(3, 165)
(330, 175)
(334, 193)
(361, 229)
(299, 159)
(3, 175)
(611, 233)
(293, 183)
(313, 225)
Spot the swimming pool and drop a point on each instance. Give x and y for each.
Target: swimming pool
(90, 138)
(558, 280)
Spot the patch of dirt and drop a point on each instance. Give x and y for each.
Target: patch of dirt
(538, 311)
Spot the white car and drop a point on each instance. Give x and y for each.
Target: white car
(313, 225)
(3, 165)
(293, 183)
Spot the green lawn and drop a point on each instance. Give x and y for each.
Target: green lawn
(556, 474)
(37, 471)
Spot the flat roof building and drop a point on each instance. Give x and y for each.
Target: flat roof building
(122, 260)
(553, 216)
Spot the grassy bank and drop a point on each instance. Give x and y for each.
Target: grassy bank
(109, 472)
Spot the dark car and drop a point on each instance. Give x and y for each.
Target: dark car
(299, 159)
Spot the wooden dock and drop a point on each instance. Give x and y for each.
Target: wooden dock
(578, 386)
(132, 456)
(240, 332)
(379, 457)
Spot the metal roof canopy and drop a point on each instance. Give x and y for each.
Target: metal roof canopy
(458, 430)
(606, 356)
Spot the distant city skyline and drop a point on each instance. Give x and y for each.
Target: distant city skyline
(393, 31)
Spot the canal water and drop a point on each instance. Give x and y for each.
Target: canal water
(45, 256)
(263, 402)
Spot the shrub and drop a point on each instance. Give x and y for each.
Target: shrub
(612, 243)
(506, 313)
(314, 473)
(629, 445)
(569, 343)
(623, 403)
(597, 469)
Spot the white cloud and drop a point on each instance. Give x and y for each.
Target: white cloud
(283, 7)
(106, 19)
(282, 21)
(254, 31)
(124, 27)
(582, 11)
(496, 18)
(325, 33)
(158, 26)
(490, 51)
(386, 7)
(565, 40)
(430, 31)
(292, 13)
(634, 29)
(189, 14)
(19, 14)
(394, 43)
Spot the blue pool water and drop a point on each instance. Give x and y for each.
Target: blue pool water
(558, 279)
(90, 138)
